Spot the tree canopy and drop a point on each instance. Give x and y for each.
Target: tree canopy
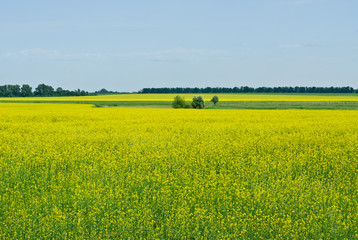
(198, 102)
(42, 90)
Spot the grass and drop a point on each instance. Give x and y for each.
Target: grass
(283, 105)
(244, 105)
(221, 105)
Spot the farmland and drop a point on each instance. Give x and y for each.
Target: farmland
(75, 171)
(226, 101)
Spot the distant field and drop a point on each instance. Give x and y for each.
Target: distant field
(188, 97)
(226, 101)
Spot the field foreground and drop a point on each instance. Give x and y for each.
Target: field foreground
(73, 171)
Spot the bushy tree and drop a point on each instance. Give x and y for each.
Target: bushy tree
(15, 90)
(59, 91)
(179, 102)
(44, 90)
(215, 99)
(3, 91)
(198, 102)
(26, 90)
(103, 91)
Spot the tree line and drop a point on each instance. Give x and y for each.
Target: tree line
(246, 89)
(42, 90)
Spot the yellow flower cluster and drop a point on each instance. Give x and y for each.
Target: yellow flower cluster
(74, 171)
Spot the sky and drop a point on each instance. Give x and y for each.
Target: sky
(129, 45)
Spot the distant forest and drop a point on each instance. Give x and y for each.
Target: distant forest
(252, 90)
(43, 90)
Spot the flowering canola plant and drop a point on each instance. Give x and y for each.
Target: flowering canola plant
(74, 171)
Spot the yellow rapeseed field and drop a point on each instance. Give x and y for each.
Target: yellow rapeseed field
(73, 171)
(207, 97)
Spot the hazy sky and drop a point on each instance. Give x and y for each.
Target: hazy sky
(128, 45)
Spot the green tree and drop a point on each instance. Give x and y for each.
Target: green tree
(3, 91)
(215, 99)
(59, 91)
(44, 90)
(198, 102)
(26, 90)
(179, 102)
(14, 90)
(103, 91)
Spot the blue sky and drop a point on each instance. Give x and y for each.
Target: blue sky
(129, 45)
